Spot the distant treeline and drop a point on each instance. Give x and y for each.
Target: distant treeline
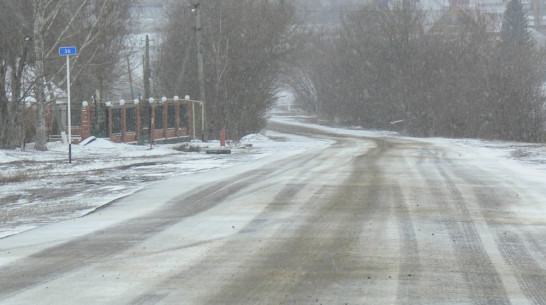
(467, 73)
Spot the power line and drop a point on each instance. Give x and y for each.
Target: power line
(369, 9)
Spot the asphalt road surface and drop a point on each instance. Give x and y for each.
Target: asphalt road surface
(364, 221)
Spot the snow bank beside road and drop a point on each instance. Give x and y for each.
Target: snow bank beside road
(5, 158)
(49, 189)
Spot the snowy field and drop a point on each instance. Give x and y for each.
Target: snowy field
(37, 188)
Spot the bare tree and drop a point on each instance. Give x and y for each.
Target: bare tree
(461, 49)
(369, 76)
(15, 52)
(244, 44)
(96, 27)
(385, 69)
(89, 24)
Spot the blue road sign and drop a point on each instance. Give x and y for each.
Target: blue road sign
(65, 51)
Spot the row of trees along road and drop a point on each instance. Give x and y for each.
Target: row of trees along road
(386, 66)
(390, 67)
(30, 68)
(246, 45)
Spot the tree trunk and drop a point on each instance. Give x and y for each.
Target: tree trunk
(39, 51)
(41, 134)
(14, 132)
(12, 108)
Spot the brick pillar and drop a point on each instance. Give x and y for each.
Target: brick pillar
(222, 138)
(152, 123)
(165, 119)
(177, 118)
(110, 125)
(137, 118)
(48, 117)
(85, 121)
(190, 118)
(123, 122)
(29, 118)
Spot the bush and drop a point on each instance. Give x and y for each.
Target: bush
(14, 178)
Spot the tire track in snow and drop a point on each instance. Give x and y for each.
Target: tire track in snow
(283, 200)
(531, 277)
(482, 280)
(276, 218)
(495, 201)
(53, 262)
(322, 255)
(410, 269)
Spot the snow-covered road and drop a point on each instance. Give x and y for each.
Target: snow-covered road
(343, 217)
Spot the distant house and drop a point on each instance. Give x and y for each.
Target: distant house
(453, 18)
(148, 16)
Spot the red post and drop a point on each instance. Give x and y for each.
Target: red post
(165, 118)
(152, 123)
(222, 138)
(137, 118)
(110, 135)
(85, 121)
(48, 117)
(177, 118)
(123, 122)
(190, 117)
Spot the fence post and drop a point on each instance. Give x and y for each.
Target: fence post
(190, 117)
(48, 116)
(110, 123)
(152, 121)
(123, 120)
(85, 121)
(176, 116)
(137, 119)
(165, 117)
(222, 138)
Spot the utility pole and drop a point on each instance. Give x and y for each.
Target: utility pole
(538, 15)
(147, 69)
(130, 78)
(200, 72)
(146, 75)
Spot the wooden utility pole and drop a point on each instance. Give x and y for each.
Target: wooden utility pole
(130, 78)
(200, 72)
(147, 69)
(146, 111)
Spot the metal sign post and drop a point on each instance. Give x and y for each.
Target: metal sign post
(68, 51)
